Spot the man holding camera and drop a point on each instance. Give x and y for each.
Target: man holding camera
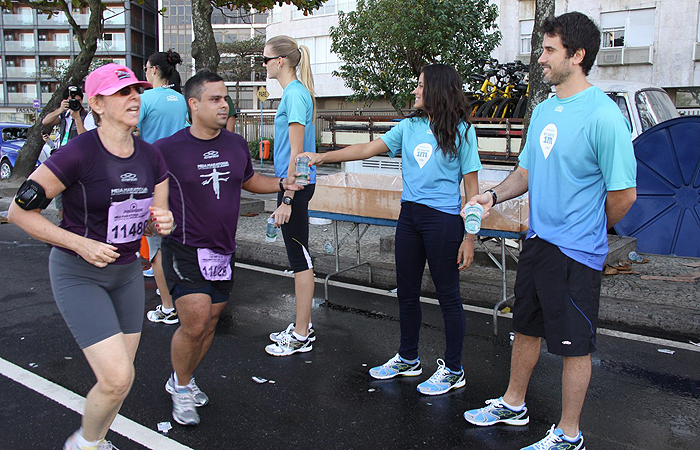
(70, 116)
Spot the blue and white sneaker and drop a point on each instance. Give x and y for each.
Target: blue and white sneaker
(149, 273)
(394, 367)
(554, 440)
(442, 381)
(496, 412)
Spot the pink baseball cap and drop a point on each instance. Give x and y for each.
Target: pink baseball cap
(109, 79)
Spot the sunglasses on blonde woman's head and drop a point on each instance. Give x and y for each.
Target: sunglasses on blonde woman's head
(126, 90)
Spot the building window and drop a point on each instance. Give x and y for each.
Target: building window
(322, 59)
(330, 7)
(526, 27)
(633, 28)
(688, 97)
(276, 15)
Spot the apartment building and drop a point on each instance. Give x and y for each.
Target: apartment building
(175, 31)
(32, 42)
(656, 42)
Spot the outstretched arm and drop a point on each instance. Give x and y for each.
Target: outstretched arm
(351, 153)
(511, 187)
(262, 184)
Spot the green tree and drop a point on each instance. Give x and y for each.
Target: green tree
(73, 75)
(241, 61)
(385, 43)
(204, 48)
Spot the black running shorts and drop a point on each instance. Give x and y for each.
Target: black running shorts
(556, 298)
(182, 274)
(296, 231)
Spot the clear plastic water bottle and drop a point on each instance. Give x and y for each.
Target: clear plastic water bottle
(472, 219)
(303, 170)
(271, 232)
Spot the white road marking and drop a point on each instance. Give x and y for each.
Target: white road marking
(476, 309)
(126, 427)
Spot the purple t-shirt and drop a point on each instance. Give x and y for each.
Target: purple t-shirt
(95, 179)
(205, 187)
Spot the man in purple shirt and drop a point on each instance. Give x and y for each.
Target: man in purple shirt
(208, 167)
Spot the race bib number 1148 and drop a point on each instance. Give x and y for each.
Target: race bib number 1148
(127, 220)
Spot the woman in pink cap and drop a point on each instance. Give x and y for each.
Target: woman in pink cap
(115, 187)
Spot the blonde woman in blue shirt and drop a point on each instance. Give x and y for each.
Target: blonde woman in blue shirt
(289, 63)
(438, 150)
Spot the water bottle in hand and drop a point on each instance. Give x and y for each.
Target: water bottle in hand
(271, 232)
(472, 218)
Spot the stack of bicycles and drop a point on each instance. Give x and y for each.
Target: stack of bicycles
(503, 90)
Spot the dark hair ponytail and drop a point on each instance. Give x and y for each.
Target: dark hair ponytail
(166, 62)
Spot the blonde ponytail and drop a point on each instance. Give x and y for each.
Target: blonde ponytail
(299, 58)
(305, 75)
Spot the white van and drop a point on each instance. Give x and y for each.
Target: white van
(642, 104)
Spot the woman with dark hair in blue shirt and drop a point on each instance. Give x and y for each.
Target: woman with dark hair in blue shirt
(438, 151)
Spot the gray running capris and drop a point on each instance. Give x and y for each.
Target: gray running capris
(154, 243)
(97, 303)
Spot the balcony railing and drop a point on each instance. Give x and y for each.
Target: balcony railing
(111, 46)
(45, 97)
(21, 97)
(21, 72)
(81, 19)
(54, 46)
(59, 19)
(18, 19)
(19, 46)
(115, 20)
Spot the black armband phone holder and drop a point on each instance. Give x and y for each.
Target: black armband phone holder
(31, 196)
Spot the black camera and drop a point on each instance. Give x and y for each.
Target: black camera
(73, 103)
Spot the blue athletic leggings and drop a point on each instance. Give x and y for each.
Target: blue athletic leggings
(424, 233)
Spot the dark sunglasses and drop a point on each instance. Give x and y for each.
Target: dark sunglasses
(126, 90)
(267, 59)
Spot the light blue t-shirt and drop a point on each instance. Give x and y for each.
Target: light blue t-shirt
(578, 149)
(296, 106)
(163, 113)
(429, 177)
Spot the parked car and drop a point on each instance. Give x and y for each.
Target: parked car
(12, 138)
(642, 104)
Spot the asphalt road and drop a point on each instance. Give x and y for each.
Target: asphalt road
(639, 398)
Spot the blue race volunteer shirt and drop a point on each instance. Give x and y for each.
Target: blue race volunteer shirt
(578, 149)
(296, 106)
(429, 177)
(163, 112)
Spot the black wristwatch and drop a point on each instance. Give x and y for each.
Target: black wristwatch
(494, 197)
(287, 200)
(281, 185)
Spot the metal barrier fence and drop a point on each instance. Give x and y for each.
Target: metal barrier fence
(248, 122)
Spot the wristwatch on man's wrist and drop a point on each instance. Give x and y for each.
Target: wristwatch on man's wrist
(281, 185)
(287, 200)
(494, 197)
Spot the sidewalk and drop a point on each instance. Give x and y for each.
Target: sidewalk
(658, 307)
